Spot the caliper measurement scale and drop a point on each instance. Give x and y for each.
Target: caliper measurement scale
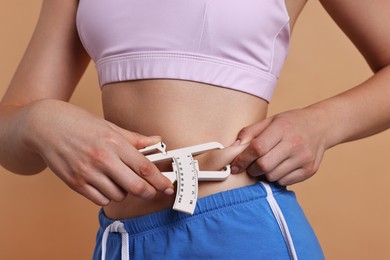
(186, 171)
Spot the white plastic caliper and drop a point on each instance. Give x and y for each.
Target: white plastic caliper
(186, 171)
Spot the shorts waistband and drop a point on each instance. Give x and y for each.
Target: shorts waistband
(204, 205)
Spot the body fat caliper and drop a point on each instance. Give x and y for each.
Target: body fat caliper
(186, 171)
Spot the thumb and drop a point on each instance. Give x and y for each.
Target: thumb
(247, 134)
(141, 141)
(135, 139)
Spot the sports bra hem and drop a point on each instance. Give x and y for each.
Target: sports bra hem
(187, 66)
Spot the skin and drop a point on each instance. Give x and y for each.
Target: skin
(98, 157)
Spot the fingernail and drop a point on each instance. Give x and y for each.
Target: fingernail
(169, 191)
(234, 170)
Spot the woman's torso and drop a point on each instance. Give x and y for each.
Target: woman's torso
(183, 113)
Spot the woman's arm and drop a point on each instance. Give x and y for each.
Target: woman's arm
(94, 157)
(366, 107)
(288, 147)
(50, 69)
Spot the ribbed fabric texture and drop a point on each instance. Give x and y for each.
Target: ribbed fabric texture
(161, 219)
(236, 45)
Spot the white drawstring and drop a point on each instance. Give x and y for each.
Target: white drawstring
(281, 221)
(116, 227)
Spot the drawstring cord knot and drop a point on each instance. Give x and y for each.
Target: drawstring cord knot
(116, 227)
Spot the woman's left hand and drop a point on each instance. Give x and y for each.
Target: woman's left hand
(286, 148)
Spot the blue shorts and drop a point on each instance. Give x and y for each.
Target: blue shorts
(261, 221)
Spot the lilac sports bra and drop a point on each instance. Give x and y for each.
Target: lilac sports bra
(239, 45)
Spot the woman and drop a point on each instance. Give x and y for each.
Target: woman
(100, 160)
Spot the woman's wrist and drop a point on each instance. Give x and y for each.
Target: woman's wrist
(37, 121)
(30, 124)
(16, 142)
(324, 123)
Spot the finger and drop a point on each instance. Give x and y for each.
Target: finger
(67, 173)
(247, 134)
(93, 195)
(128, 180)
(256, 149)
(108, 188)
(137, 140)
(140, 141)
(219, 158)
(254, 170)
(82, 187)
(285, 168)
(271, 160)
(147, 170)
(302, 166)
(294, 177)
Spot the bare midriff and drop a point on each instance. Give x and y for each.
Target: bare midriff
(183, 113)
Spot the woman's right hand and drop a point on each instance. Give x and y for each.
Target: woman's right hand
(92, 156)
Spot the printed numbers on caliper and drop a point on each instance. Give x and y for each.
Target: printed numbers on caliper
(187, 183)
(186, 171)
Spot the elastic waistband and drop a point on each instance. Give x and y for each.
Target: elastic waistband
(135, 226)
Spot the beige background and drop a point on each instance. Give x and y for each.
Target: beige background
(347, 201)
